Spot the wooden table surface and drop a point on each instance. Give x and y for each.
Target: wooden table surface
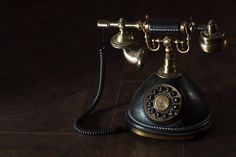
(49, 73)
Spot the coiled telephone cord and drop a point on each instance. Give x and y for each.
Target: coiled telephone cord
(92, 105)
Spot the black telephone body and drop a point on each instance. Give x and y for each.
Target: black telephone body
(168, 104)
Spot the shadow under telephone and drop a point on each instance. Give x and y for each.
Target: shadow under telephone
(168, 105)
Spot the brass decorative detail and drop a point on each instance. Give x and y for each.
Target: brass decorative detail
(211, 40)
(168, 70)
(123, 39)
(162, 102)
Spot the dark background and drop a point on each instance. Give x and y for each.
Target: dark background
(49, 73)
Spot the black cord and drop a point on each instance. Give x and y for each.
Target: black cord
(89, 109)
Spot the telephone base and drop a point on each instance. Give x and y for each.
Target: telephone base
(169, 109)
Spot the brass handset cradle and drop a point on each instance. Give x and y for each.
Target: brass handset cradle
(168, 105)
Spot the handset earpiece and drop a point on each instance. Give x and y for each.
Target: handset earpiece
(211, 39)
(128, 42)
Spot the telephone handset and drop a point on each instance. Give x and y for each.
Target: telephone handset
(168, 105)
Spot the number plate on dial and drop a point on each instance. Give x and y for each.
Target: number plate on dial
(162, 103)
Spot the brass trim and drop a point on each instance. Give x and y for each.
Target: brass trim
(168, 70)
(161, 137)
(211, 40)
(162, 102)
(172, 75)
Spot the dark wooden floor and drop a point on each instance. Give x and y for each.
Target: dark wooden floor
(49, 73)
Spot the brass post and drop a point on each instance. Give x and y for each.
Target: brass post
(168, 70)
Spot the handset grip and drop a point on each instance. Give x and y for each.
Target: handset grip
(163, 25)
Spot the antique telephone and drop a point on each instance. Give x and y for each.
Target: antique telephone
(168, 105)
